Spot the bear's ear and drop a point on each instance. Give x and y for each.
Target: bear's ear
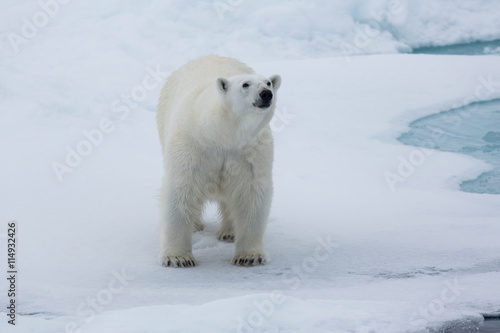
(222, 84)
(276, 80)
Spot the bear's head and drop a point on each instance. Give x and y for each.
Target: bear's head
(249, 93)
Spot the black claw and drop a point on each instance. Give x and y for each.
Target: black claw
(260, 261)
(179, 262)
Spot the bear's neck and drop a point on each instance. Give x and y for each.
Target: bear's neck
(222, 127)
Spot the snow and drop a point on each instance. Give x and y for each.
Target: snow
(354, 248)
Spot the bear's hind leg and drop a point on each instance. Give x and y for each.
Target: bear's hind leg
(198, 226)
(226, 231)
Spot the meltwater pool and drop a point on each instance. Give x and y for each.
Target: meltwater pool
(473, 130)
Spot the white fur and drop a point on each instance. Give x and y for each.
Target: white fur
(217, 146)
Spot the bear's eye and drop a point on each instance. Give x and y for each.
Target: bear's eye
(268, 83)
(245, 85)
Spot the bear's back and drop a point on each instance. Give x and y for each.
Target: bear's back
(210, 67)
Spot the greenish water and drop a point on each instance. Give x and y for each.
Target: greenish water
(490, 326)
(476, 48)
(472, 130)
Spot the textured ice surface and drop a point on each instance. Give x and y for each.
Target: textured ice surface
(421, 258)
(473, 130)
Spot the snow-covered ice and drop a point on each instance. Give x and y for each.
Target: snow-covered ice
(365, 235)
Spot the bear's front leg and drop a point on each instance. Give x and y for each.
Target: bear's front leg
(178, 223)
(251, 213)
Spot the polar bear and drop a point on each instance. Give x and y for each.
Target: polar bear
(213, 122)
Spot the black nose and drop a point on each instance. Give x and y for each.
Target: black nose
(266, 95)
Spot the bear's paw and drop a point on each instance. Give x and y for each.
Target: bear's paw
(178, 261)
(226, 236)
(250, 259)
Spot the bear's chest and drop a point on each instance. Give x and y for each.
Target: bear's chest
(227, 172)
